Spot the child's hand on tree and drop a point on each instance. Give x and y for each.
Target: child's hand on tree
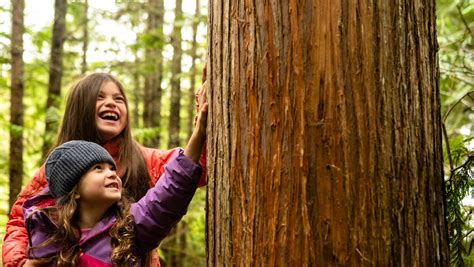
(201, 93)
(201, 99)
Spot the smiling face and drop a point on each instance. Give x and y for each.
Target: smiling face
(100, 185)
(111, 111)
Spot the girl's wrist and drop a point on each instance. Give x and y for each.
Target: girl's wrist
(194, 147)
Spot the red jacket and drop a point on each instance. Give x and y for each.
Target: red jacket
(15, 243)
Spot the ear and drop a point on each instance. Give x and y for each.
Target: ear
(77, 195)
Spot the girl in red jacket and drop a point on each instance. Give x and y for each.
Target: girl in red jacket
(96, 111)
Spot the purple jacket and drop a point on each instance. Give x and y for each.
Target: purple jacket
(154, 215)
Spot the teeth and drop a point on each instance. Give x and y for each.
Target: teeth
(110, 115)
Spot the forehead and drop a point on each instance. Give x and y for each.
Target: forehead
(109, 87)
(103, 164)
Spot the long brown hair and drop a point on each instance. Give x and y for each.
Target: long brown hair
(66, 215)
(79, 124)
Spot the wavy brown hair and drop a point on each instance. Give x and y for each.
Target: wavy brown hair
(76, 125)
(66, 216)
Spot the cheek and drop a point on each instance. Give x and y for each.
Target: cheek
(124, 111)
(94, 186)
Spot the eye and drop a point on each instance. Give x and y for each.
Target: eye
(120, 99)
(97, 167)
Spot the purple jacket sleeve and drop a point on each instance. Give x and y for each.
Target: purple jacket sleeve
(166, 203)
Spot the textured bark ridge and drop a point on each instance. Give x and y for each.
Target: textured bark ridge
(324, 145)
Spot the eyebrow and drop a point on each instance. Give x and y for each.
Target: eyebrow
(115, 94)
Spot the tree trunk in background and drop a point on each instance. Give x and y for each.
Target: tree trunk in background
(85, 37)
(172, 255)
(136, 93)
(55, 75)
(153, 69)
(324, 144)
(16, 101)
(175, 104)
(192, 78)
(137, 69)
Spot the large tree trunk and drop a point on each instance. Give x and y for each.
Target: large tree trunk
(175, 102)
(16, 101)
(324, 143)
(55, 74)
(153, 69)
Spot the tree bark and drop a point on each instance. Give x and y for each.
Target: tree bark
(55, 74)
(175, 103)
(324, 135)
(16, 101)
(154, 69)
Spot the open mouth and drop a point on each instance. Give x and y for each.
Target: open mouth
(110, 116)
(113, 185)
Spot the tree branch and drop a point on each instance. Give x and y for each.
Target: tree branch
(457, 102)
(458, 7)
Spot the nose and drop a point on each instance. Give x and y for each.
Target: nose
(112, 174)
(109, 102)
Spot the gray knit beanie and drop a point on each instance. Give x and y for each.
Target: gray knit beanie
(67, 163)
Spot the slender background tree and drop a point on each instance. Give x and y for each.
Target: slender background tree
(85, 36)
(154, 68)
(55, 74)
(16, 100)
(175, 106)
(192, 78)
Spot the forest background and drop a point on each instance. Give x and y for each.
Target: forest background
(167, 52)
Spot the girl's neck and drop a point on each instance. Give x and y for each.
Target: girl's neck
(89, 216)
(113, 146)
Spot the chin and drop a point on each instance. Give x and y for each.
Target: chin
(113, 199)
(108, 135)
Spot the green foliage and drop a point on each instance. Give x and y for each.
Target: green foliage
(152, 39)
(142, 135)
(41, 39)
(455, 35)
(4, 60)
(459, 185)
(16, 130)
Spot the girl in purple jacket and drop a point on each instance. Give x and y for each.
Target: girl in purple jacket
(94, 223)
